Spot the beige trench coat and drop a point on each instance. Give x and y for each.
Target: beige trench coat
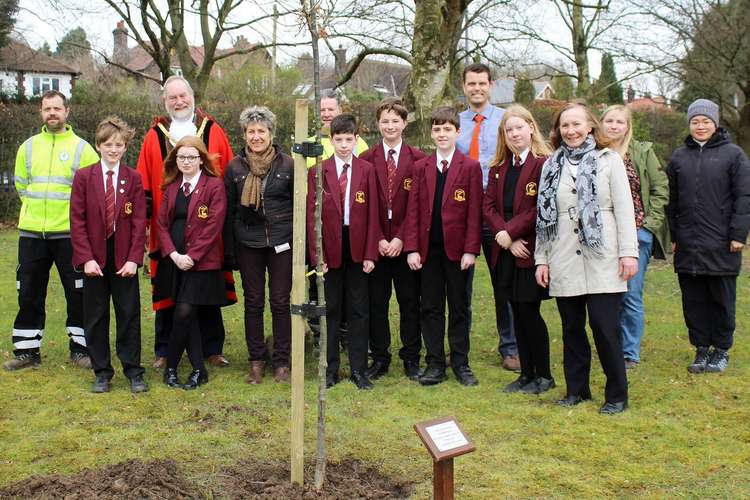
(574, 269)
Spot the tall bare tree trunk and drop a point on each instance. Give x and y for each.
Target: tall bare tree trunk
(580, 50)
(437, 25)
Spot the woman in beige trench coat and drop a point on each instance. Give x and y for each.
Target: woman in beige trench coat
(586, 250)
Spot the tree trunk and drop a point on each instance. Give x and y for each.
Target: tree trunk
(437, 25)
(580, 51)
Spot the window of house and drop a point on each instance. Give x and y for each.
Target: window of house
(46, 85)
(36, 85)
(55, 84)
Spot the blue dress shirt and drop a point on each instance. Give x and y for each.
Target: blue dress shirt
(487, 136)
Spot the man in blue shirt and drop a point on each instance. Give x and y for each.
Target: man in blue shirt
(478, 140)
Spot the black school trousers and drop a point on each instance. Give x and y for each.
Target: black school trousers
(126, 300)
(443, 279)
(604, 313)
(351, 282)
(394, 271)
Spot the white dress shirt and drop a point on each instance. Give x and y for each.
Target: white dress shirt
(440, 159)
(397, 149)
(193, 181)
(339, 170)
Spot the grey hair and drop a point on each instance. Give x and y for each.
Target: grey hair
(258, 114)
(331, 94)
(175, 78)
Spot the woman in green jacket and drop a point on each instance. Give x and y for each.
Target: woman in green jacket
(650, 190)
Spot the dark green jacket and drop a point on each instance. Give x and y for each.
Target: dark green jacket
(654, 193)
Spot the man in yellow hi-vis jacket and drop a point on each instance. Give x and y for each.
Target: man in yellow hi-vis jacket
(45, 165)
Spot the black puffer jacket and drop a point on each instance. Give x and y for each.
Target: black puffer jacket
(709, 205)
(272, 224)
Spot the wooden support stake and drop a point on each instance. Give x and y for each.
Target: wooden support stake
(442, 479)
(299, 283)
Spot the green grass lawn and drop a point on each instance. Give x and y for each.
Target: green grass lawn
(684, 435)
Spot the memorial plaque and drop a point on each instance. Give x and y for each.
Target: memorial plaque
(444, 438)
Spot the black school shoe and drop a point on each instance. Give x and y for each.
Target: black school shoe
(411, 370)
(702, 356)
(361, 380)
(196, 378)
(465, 376)
(376, 370)
(613, 408)
(170, 378)
(433, 376)
(538, 385)
(137, 384)
(572, 400)
(518, 383)
(100, 385)
(332, 379)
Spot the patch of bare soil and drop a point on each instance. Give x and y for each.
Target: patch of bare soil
(346, 480)
(132, 479)
(162, 479)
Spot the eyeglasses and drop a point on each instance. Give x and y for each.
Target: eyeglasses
(188, 159)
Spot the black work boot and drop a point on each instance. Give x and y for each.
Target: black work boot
(23, 360)
(718, 362)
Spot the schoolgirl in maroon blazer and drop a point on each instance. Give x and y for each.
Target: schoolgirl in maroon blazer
(190, 222)
(350, 246)
(510, 213)
(443, 237)
(394, 163)
(108, 231)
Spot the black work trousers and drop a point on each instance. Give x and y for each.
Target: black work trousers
(394, 270)
(351, 282)
(253, 263)
(35, 259)
(443, 279)
(708, 304)
(126, 299)
(532, 338)
(604, 312)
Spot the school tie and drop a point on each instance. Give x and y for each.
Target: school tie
(342, 183)
(186, 188)
(109, 203)
(391, 165)
(517, 161)
(474, 147)
(444, 163)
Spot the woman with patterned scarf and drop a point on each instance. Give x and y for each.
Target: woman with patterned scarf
(586, 250)
(258, 237)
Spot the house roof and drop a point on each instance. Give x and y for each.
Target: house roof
(140, 60)
(17, 56)
(503, 89)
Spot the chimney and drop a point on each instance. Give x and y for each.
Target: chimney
(120, 53)
(630, 94)
(305, 65)
(340, 55)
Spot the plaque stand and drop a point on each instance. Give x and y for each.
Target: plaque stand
(444, 439)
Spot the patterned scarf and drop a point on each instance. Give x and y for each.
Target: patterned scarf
(589, 214)
(259, 164)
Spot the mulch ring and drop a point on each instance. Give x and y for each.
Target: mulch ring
(348, 479)
(162, 479)
(132, 479)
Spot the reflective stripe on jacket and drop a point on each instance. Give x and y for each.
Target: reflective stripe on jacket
(45, 166)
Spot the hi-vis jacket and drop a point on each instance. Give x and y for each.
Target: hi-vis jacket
(45, 166)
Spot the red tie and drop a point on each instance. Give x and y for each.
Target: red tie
(474, 147)
(186, 188)
(109, 203)
(391, 165)
(444, 163)
(517, 162)
(342, 183)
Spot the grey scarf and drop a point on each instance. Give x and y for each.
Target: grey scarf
(589, 214)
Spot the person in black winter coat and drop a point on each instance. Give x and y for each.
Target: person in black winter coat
(258, 237)
(709, 218)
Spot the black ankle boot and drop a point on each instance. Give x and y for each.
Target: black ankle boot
(170, 377)
(196, 378)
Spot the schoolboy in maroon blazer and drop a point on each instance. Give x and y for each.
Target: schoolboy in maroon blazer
(108, 233)
(394, 162)
(443, 237)
(350, 244)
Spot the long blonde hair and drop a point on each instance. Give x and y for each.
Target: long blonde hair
(538, 147)
(629, 119)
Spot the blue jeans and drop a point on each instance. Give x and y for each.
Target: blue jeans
(631, 313)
